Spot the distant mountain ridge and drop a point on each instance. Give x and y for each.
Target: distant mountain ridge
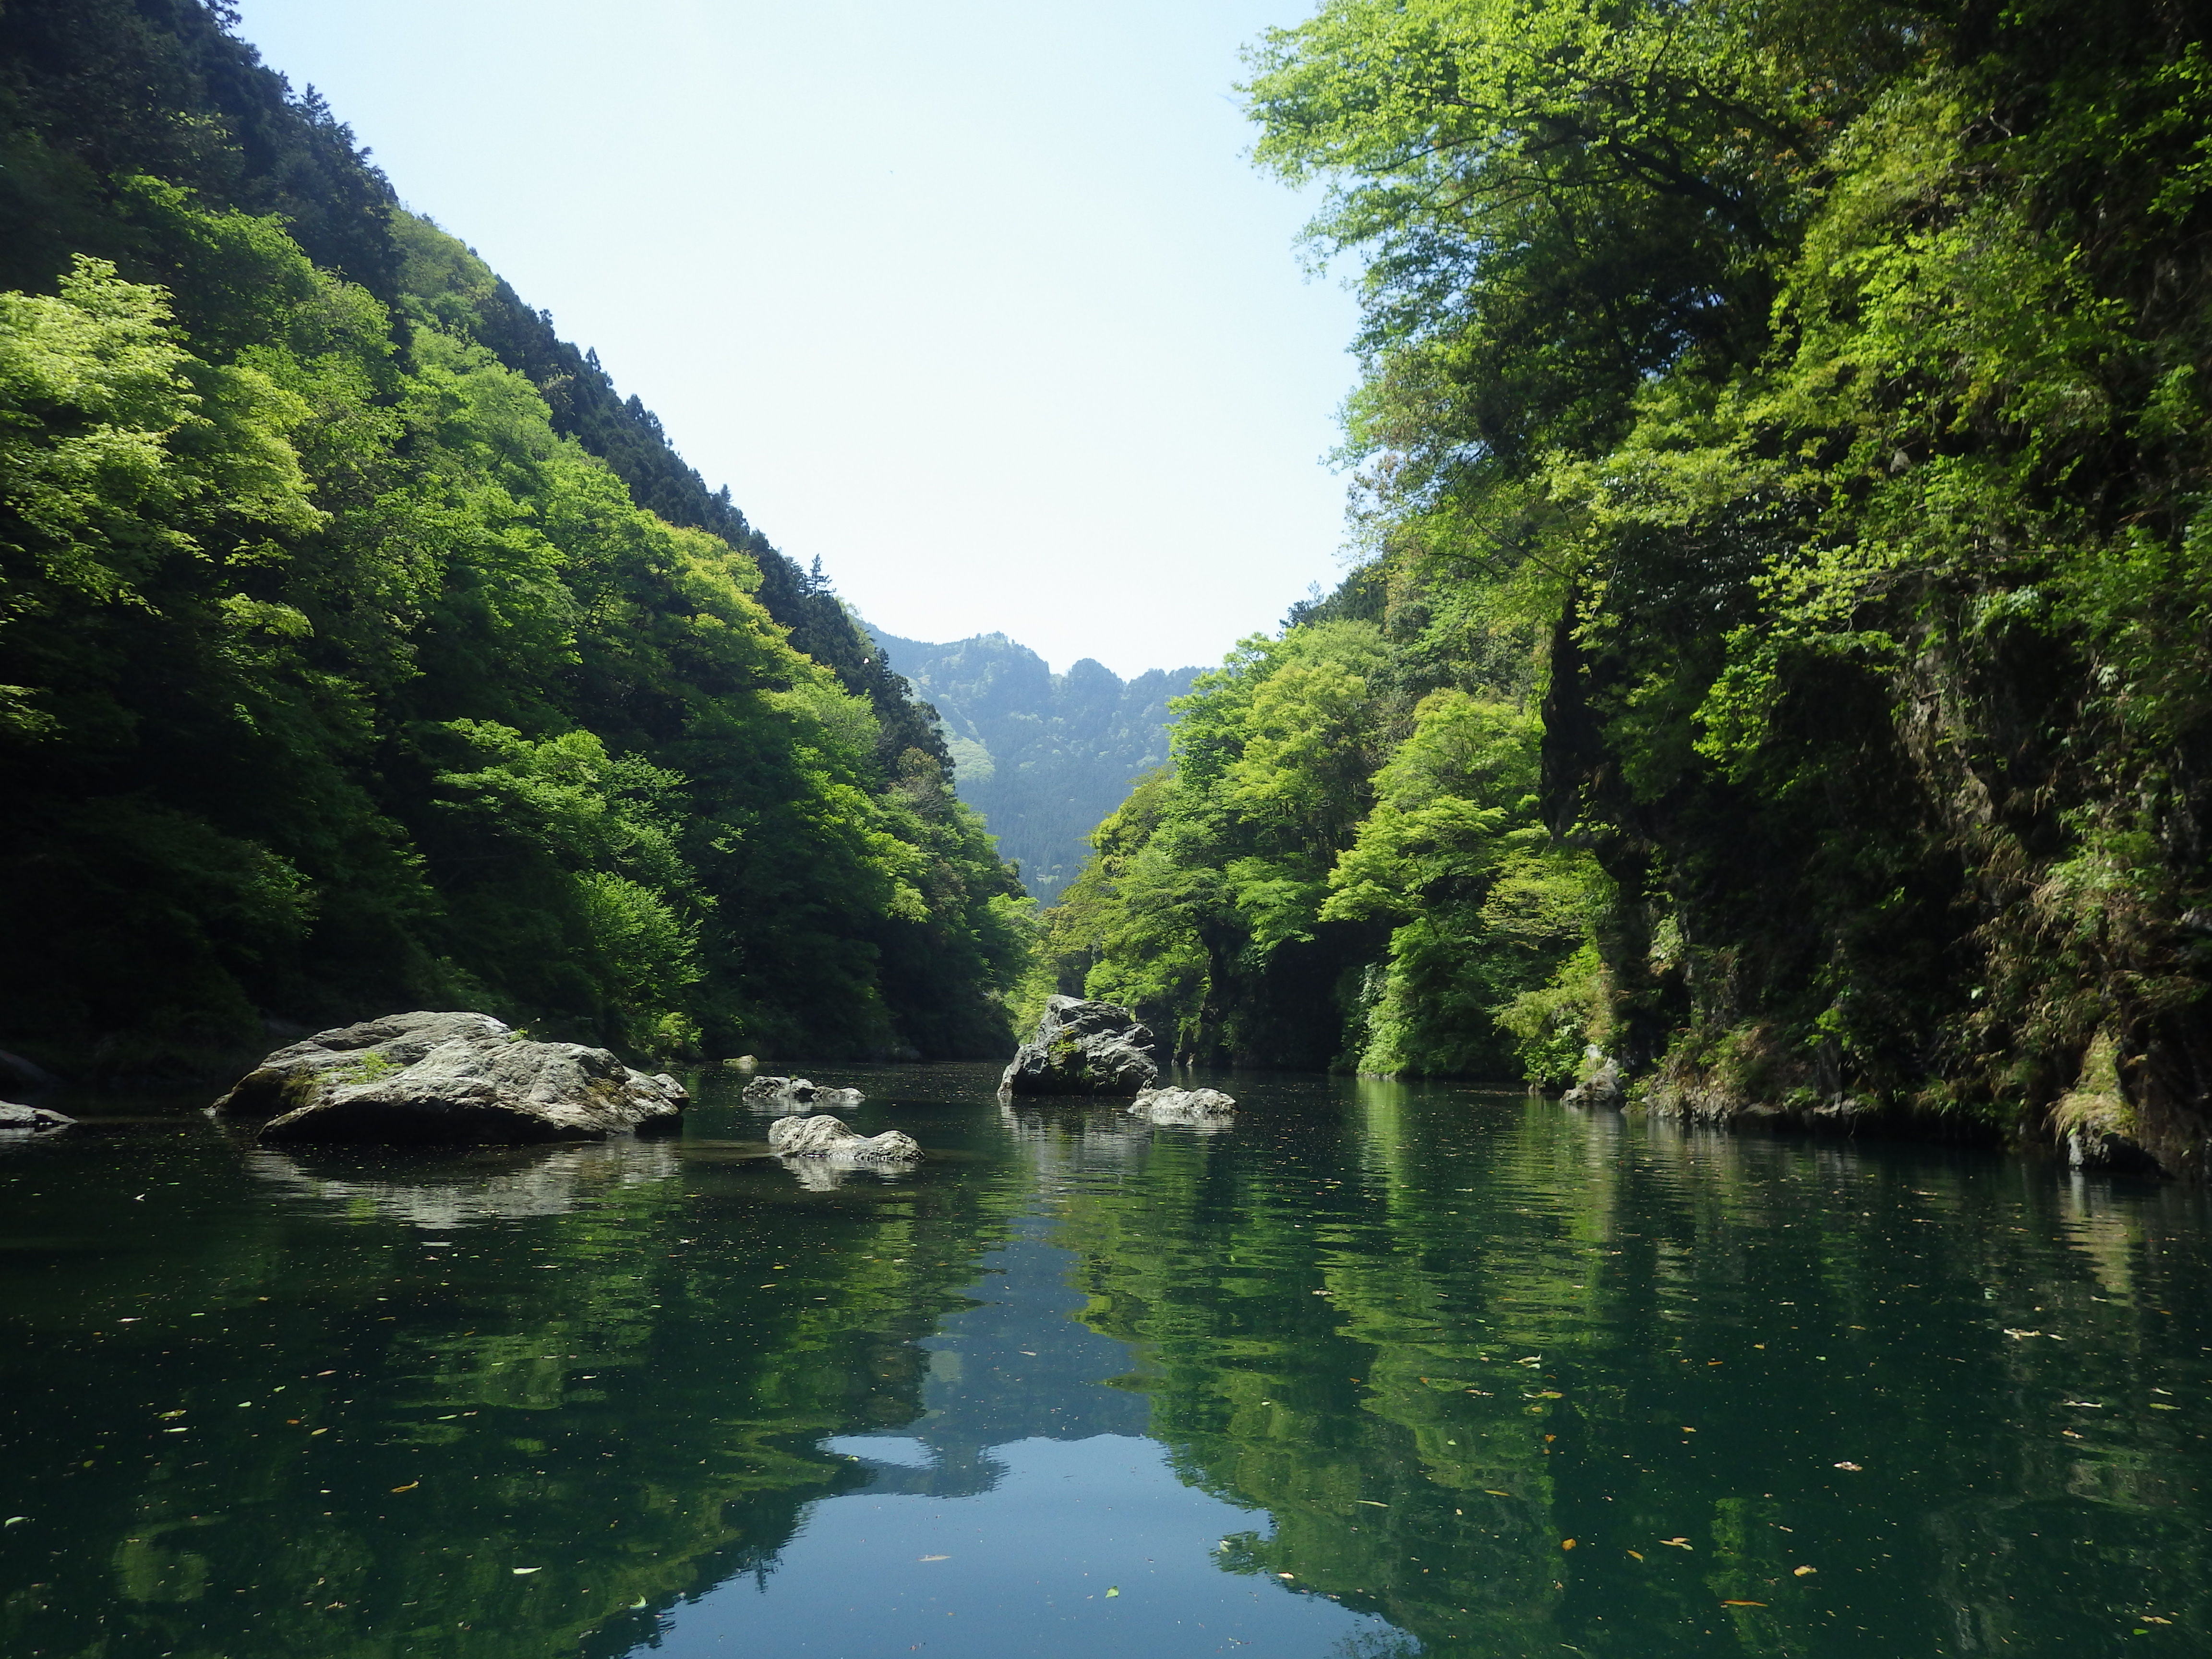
(1043, 757)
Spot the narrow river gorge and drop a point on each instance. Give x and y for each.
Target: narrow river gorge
(1382, 1370)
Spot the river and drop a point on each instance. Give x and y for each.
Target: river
(1383, 1370)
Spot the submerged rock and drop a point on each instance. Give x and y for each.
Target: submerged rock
(832, 1139)
(1083, 1048)
(446, 1079)
(803, 1091)
(1184, 1106)
(30, 1120)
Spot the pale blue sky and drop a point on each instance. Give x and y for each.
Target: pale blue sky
(980, 300)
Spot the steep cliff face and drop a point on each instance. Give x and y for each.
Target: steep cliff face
(1043, 757)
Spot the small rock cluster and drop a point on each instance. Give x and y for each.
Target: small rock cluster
(788, 1090)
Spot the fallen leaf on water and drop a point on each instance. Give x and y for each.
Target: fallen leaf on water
(1566, 1543)
(1113, 1589)
(523, 1572)
(1803, 1573)
(409, 1486)
(1638, 1554)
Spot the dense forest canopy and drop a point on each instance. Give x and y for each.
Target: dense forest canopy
(364, 648)
(1778, 669)
(1042, 756)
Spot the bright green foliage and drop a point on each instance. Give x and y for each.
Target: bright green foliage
(1482, 900)
(1336, 869)
(1825, 380)
(342, 676)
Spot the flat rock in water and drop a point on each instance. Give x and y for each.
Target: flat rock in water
(30, 1120)
(1184, 1106)
(799, 1090)
(838, 1141)
(1083, 1048)
(446, 1079)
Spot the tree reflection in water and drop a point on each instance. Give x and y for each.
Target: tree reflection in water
(1353, 1372)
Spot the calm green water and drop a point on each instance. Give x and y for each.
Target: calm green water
(1385, 1369)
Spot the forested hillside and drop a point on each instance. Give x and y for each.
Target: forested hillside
(363, 649)
(1781, 667)
(1043, 757)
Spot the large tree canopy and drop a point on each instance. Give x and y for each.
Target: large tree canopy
(1808, 398)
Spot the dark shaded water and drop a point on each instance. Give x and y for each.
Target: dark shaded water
(1385, 1369)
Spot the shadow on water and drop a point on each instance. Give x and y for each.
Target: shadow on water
(1385, 1369)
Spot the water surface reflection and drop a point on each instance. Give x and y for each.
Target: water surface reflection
(1382, 1369)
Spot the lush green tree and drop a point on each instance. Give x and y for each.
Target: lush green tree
(1819, 380)
(343, 671)
(1337, 870)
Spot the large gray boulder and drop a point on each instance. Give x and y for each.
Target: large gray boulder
(1197, 1106)
(30, 1120)
(1083, 1048)
(832, 1139)
(446, 1079)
